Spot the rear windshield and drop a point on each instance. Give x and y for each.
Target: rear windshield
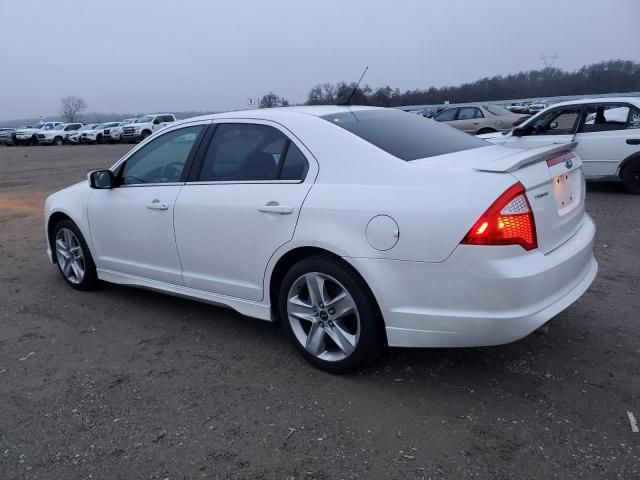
(404, 135)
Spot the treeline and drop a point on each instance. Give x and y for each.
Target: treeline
(614, 76)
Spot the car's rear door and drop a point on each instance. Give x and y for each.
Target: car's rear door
(240, 205)
(132, 224)
(469, 119)
(603, 138)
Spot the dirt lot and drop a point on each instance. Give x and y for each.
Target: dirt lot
(125, 383)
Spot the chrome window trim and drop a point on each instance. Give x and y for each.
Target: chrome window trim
(247, 182)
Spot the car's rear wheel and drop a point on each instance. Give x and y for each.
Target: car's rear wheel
(73, 256)
(482, 131)
(330, 314)
(631, 176)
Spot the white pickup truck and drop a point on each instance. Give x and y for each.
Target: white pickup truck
(29, 136)
(145, 126)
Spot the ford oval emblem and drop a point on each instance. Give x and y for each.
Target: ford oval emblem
(568, 163)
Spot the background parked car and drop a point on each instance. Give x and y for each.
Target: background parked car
(59, 134)
(97, 134)
(479, 118)
(74, 138)
(536, 107)
(607, 132)
(145, 126)
(29, 136)
(115, 133)
(7, 136)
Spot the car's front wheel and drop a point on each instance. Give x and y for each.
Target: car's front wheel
(330, 314)
(73, 256)
(631, 176)
(58, 141)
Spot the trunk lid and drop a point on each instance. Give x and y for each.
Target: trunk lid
(555, 188)
(551, 175)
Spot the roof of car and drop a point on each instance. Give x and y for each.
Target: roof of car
(582, 101)
(275, 113)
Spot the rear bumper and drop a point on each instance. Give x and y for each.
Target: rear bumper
(480, 295)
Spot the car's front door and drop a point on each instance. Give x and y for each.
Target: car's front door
(557, 125)
(602, 138)
(240, 205)
(132, 224)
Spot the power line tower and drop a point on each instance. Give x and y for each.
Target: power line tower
(549, 60)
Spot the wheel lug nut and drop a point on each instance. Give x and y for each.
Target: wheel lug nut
(331, 311)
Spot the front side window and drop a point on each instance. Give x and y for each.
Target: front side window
(162, 160)
(469, 113)
(559, 121)
(447, 115)
(604, 118)
(244, 152)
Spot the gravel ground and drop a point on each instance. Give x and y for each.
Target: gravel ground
(125, 383)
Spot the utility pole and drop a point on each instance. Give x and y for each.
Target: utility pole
(549, 60)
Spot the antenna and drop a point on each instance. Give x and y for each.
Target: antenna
(549, 60)
(353, 92)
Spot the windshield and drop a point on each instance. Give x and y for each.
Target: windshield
(59, 127)
(404, 135)
(145, 119)
(100, 126)
(497, 110)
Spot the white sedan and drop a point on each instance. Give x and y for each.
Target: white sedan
(356, 227)
(607, 132)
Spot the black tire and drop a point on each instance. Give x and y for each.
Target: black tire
(631, 177)
(99, 139)
(90, 278)
(482, 131)
(34, 140)
(145, 134)
(58, 141)
(371, 325)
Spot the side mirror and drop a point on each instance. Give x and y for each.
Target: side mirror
(157, 121)
(553, 125)
(101, 179)
(517, 132)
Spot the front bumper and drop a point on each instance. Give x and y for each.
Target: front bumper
(480, 295)
(129, 136)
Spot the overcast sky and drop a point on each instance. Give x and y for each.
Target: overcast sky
(176, 55)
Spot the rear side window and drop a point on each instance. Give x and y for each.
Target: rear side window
(634, 119)
(603, 118)
(469, 113)
(245, 152)
(404, 135)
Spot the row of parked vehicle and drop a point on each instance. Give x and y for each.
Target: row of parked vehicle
(529, 108)
(129, 130)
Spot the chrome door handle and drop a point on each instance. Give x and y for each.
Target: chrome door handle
(275, 207)
(157, 205)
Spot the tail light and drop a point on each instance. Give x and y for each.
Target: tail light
(519, 121)
(508, 221)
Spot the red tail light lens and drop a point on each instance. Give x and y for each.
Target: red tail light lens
(508, 221)
(519, 121)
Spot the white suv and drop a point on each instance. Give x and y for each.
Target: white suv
(145, 126)
(606, 130)
(59, 135)
(29, 136)
(115, 133)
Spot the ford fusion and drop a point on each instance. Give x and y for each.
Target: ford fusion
(356, 227)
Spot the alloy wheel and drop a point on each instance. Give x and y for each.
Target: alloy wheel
(70, 256)
(323, 316)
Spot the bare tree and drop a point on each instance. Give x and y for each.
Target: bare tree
(70, 107)
(271, 100)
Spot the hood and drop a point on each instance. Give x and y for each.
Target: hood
(27, 130)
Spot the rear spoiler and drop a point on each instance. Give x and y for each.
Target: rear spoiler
(517, 160)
